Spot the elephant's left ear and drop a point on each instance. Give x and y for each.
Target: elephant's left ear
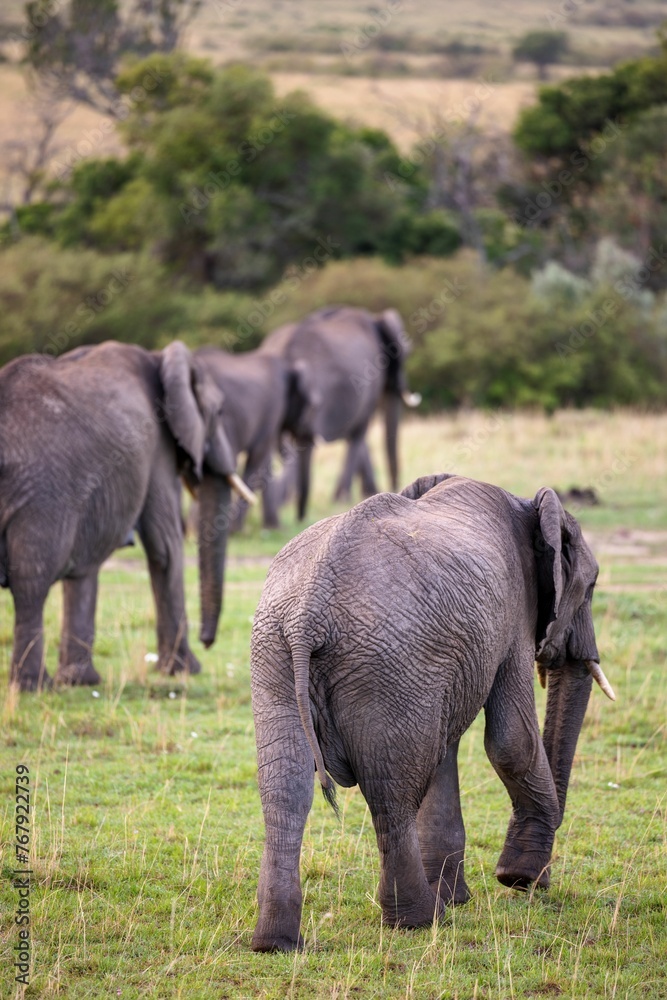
(180, 403)
(391, 330)
(550, 545)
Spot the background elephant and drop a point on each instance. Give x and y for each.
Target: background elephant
(379, 636)
(264, 399)
(351, 360)
(91, 447)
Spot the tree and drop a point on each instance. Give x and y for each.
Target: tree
(227, 184)
(543, 48)
(78, 48)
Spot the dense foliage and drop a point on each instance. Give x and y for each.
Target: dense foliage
(233, 211)
(230, 185)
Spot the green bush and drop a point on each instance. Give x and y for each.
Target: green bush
(54, 300)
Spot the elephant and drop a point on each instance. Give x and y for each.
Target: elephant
(380, 634)
(264, 400)
(351, 360)
(91, 448)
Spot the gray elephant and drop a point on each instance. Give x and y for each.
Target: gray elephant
(380, 634)
(265, 399)
(351, 360)
(91, 447)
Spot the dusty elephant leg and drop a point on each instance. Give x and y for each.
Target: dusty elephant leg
(406, 898)
(442, 833)
(75, 664)
(353, 457)
(365, 469)
(514, 747)
(161, 534)
(28, 668)
(285, 775)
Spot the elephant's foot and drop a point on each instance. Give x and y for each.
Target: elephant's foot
(451, 886)
(278, 927)
(74, 674)
(422, 913)
(519, 869)
(342, 493)
(276, 942)
(31, 683)
(177, 663)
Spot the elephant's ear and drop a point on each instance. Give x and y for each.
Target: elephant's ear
(425, 483)
(180, 403)
(391, 329)
(219, 455)
(560, 569)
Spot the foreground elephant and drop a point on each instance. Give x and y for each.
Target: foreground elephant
(379, 636)
(352, 360)
(91, 447)
(264, 399)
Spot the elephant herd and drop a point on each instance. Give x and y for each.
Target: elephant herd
(381, 632)
(95, 444)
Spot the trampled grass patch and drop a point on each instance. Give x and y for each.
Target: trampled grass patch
(147, 828)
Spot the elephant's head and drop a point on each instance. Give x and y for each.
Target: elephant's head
(566, 651)
(193, 405)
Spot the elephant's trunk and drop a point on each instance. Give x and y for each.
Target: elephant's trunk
(214, 516)
(392, 415)
(569, 688)
(305, 449)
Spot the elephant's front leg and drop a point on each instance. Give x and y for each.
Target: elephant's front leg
(75, 664)
(161, 533)
(442, 833)
(28, 668)
(285, 774)
(514, 747)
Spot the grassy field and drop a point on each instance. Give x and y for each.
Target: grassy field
(147, 827)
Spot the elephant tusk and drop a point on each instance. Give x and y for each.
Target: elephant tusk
(243, 491)
(542, 674)
(318, 440)
(411, 399)
(595, 670)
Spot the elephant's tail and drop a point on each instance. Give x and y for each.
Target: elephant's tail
(301, 665)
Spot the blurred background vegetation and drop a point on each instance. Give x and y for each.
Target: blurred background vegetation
(163, 178)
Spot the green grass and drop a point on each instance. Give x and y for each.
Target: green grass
(147, 826)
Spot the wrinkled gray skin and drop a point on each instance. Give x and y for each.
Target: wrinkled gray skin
(264, 399)
(91, 447)
(348, 361)
(379, 636)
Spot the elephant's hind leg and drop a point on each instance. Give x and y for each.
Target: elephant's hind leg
(285, 774)
(406, 898)
(75, 664)
(442, 833)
